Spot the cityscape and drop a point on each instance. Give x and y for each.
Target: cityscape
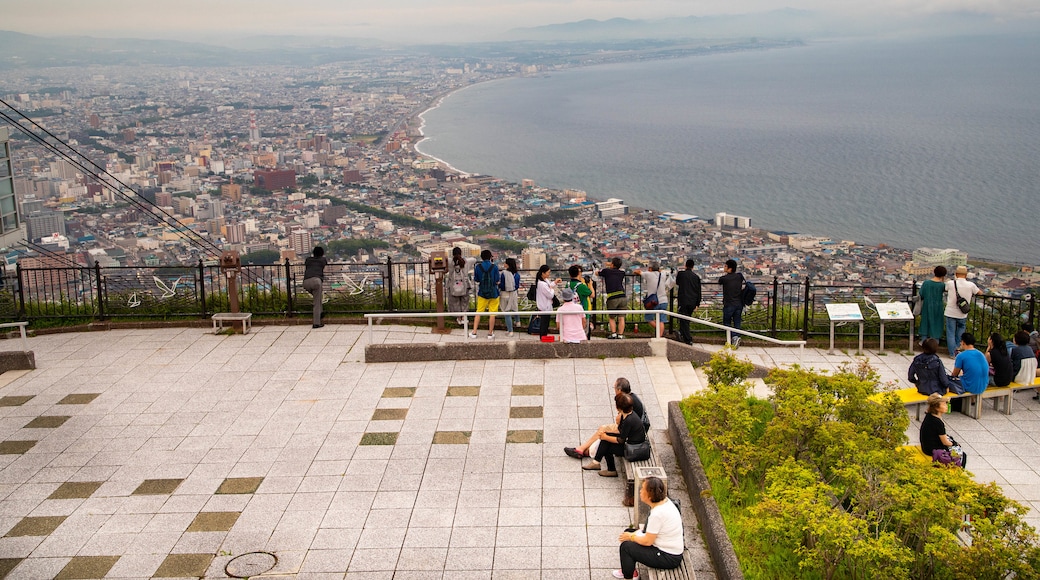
(272, 160)
(288, 450)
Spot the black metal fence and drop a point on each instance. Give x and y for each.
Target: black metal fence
(63, 295)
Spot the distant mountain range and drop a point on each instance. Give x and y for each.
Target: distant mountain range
(776, 24)
(26, 51)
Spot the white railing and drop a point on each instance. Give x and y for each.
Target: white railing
(658, 315)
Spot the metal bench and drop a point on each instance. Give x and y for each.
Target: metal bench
(232, 317)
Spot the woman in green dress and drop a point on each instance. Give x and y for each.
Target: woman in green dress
(932, 306)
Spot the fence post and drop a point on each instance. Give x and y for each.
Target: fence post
(289, 290)
(389, 283)
(805, 311)
(772, 326)
(671, 305)
(100, 296)
(21, 291)
(1032, 309)
(202, 289)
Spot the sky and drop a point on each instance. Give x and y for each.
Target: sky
(419, 20)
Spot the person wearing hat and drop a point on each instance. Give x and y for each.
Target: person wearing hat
(570, 317)
(957, 321)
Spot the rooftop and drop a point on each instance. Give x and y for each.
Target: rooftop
(169, 452)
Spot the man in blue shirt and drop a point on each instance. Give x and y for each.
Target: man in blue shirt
(971, 366)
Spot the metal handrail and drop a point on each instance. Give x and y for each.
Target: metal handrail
(658, 314)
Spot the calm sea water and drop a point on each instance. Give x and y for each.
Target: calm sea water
(928, 143)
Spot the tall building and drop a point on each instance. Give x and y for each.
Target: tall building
(332, 213)
(231, 191)
(725, 220)
(45, 223)
(275, 179)
(300, 242)
(532, 259)
(931, 257)
(236, 233)
(11, 231)
(254, 131)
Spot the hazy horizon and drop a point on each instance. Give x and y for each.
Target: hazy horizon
(444, 20)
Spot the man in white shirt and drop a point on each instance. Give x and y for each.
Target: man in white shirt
(957, 321)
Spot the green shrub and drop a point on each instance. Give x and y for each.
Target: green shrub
(812, 483)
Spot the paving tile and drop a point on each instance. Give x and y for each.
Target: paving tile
(35, 526)
(398, 392)
(524, 436)
(463, 391)
(157, 487)
(525, 412)
(184, 566)
(379, 438)
(47, 422)
(16, 447)
(8, 564)
(528, 390)
(75, 490)
(78, 398)
(213, 522)
(15, 401)
(389, 414)
(452, 437)
(240, 485)
(87, 567)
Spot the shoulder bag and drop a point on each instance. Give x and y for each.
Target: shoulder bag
(637, 451)
(962, 302)
(651, 301)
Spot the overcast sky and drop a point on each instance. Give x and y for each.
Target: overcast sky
(420, 20)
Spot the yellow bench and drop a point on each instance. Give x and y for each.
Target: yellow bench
(914, 453)
(910, 396)
(1015, 387)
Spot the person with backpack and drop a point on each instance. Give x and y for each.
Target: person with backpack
(457, 284)
(656, 285)
(732, 283)
(582, 288)
(509, 300)
(487, 277)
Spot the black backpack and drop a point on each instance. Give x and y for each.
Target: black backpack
(532, 292)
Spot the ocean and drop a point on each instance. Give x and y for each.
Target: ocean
(927, 143)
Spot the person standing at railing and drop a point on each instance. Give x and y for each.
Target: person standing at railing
(614, 286)
(314, 281)
(732, 283)
(546, 289)
(509, 299)
(457, 284)
(932, 305)
(957, 320)
(688, 295)
(582, 289)
(656, 285)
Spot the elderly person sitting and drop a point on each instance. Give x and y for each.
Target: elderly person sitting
(660, 545)
(933, 430)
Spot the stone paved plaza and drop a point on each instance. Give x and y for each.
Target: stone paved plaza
(169, 452)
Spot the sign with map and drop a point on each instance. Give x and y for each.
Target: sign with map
(894, 311)
(842, 312)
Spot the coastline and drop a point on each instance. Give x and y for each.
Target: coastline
(980, 257)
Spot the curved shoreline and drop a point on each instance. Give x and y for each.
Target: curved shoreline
(983, 258)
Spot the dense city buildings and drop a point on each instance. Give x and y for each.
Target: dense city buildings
(279, 158)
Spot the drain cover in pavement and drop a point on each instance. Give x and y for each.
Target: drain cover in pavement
(251, 564)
